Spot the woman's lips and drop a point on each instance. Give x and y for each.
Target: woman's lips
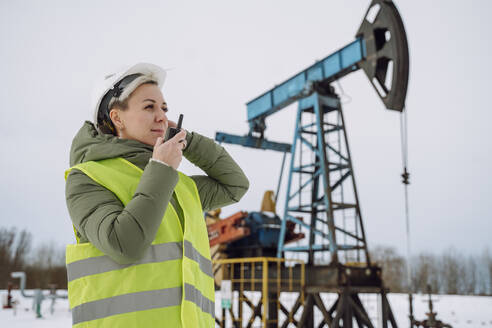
(158, 131)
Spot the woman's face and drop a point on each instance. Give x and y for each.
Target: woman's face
(145, 118)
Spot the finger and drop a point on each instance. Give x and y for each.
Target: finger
(180, 135)
(159, 141)
(182, 132)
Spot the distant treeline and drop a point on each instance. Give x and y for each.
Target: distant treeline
(43, 265)
(450, 272)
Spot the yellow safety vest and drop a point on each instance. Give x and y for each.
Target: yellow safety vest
(171, 286)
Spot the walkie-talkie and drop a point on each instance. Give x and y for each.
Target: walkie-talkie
(171, 132)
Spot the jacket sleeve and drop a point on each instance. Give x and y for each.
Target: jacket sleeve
(122, 232)
(225, 182)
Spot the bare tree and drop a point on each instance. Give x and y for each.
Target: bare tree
(7, 237)
(393, 266)
(470, 276)
(22, 247)
(425, 271)
(452, 271)
(488, 265)
(13, 250)
(47, 266)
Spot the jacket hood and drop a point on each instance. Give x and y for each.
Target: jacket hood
(90, 145)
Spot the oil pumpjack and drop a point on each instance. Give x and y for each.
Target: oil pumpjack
(321, 197)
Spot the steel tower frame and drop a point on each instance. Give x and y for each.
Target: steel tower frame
(325, 170)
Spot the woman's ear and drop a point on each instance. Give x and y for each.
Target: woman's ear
(115, 117)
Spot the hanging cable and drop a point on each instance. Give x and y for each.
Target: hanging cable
(404, 147)
(406, 181)
(347, 99)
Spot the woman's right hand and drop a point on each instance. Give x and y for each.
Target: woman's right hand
(171, 151)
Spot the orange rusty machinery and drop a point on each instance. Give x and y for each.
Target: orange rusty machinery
(228, 230)
(238, 226)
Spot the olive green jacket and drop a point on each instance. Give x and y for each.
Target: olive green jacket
(125, 232)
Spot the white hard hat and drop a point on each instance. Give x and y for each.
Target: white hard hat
(119, 85)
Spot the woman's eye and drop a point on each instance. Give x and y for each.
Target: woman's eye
(149, 106)
(165, 109)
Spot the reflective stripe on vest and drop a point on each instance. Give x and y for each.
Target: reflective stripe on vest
(172, 285)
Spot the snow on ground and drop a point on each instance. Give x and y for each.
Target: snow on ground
(459, 311)
(24, 316)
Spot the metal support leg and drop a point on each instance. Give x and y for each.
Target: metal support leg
(307, 313)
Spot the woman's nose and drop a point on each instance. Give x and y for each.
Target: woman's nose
(161, 116)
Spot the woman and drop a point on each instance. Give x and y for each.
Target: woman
(142, 257)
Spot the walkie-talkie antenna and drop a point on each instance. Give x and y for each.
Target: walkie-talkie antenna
(180, 120)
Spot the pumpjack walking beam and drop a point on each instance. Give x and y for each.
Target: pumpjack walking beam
(380, 50)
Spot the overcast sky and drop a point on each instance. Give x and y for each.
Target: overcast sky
(225, 53)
